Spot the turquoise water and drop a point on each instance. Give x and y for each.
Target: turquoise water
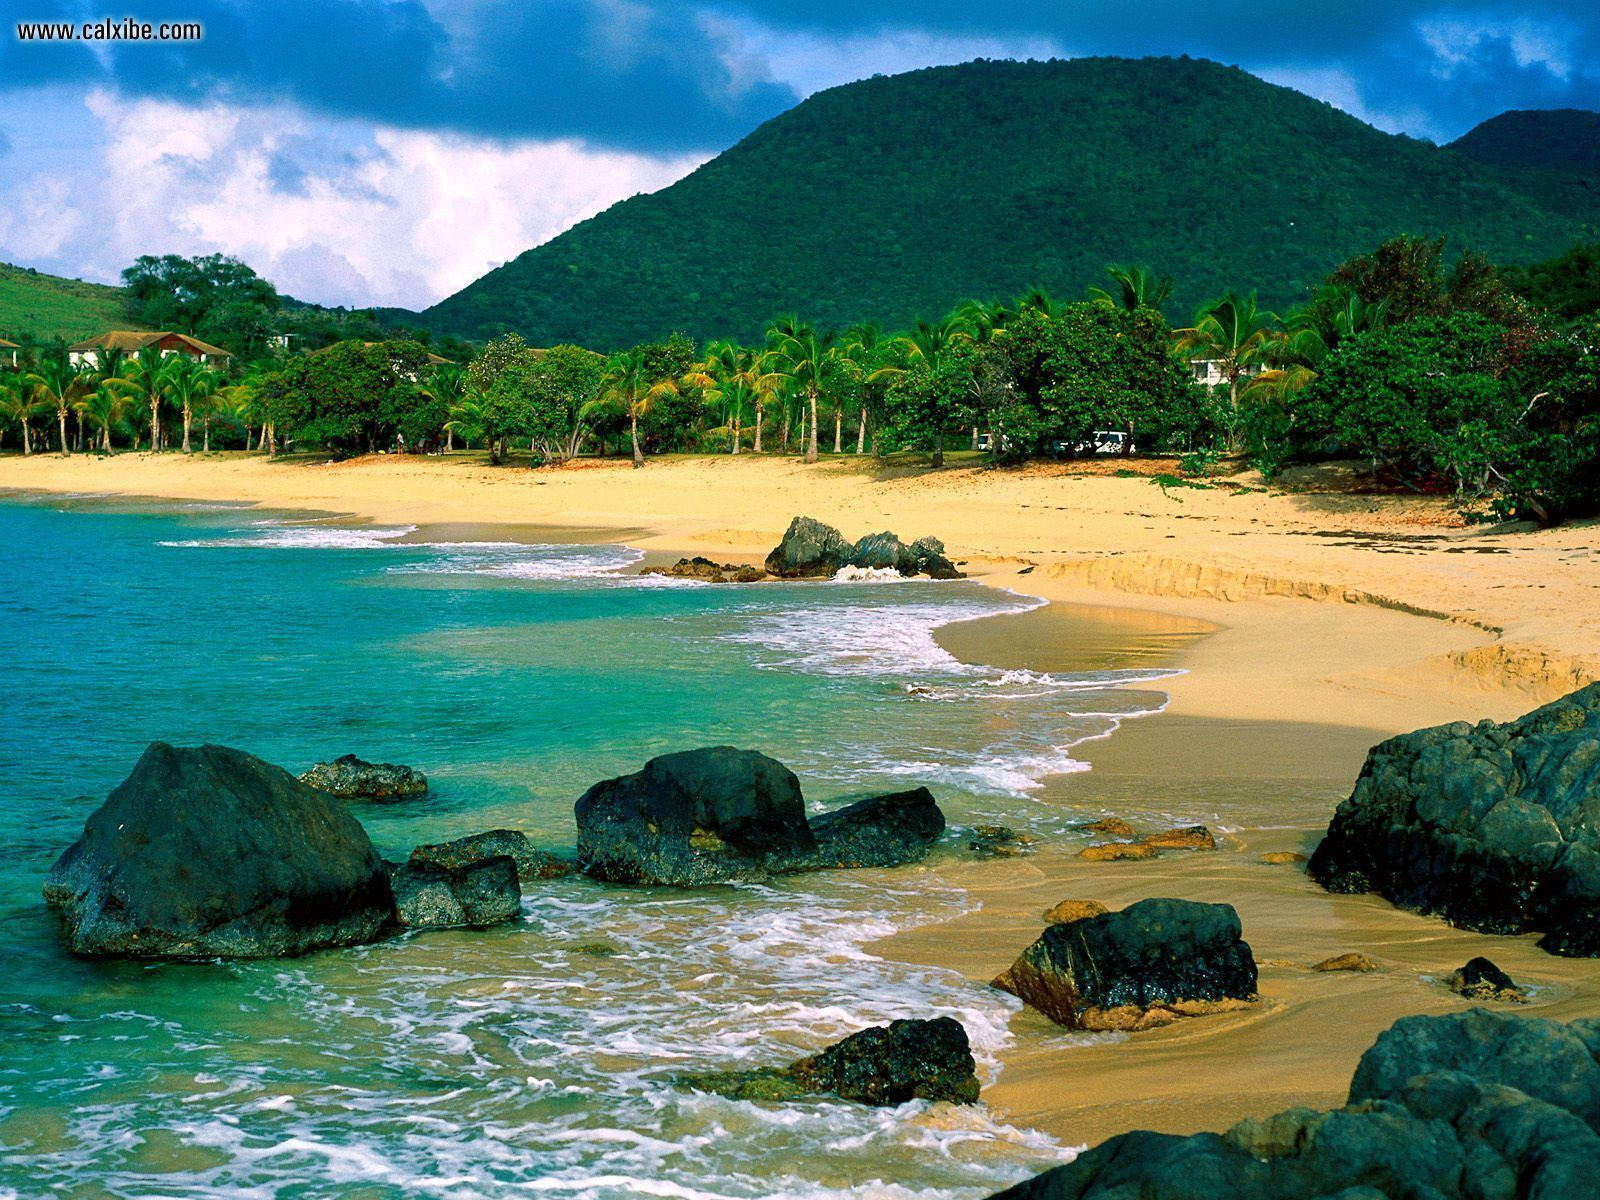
(519, 1059)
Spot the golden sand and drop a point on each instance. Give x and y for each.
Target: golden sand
(1310, 626)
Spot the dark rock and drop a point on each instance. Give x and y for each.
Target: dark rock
(480, 893)
(927, 555)
(883, 552)
(532, 864)
(999, 841)
(809, 550)
(884, 1065)
(698, 816)
(1474, 1106)
(720, 814)
(880, 831)
(1480, 979)
(349, 778)
(707, 571)
(1145, 966)
(1493, 827)
(211, 852)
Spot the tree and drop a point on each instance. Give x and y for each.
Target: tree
(214, 296)
(240, 403)
(352, 397)
(807, 359)
(630, 386)
(188, 385)
(18, 404)
(448, 385)
(144, 376)
(105, 409)
(59, 386)
(1133, 288)
(542, 397)
(1234, 332)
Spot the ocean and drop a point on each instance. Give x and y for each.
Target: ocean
(537, 1057)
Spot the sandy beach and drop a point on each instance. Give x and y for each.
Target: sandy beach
(1308, 625)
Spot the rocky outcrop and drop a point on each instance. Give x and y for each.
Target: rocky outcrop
(479, 893)
(352, 778)
(1148, 965)
(812, 550)
(707, 571)
(1495, 827)
(532, 863)
(720, 813)
(884, 1065)
(211, 852)
(1473, 1106)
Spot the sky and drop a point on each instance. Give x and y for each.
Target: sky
(391, 151)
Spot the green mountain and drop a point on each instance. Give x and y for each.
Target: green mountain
(1563, 140)
(895, 197)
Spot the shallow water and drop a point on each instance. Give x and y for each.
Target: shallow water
(535, 1057)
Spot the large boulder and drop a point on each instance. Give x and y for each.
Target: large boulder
(532, 863)
(809, 550)
(880, 831)
(883, 552)
(210, 852)
(884, 1065)
(1148, 965)
(1495, 827)
(352, 778)
(1473, 1106)
(927, 558)
(720, 814)
(698, 816)
(477, 894)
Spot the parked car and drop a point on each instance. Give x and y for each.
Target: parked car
(1100, 441)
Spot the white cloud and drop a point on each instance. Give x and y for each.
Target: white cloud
(336, 212)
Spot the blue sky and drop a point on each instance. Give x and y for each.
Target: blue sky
(389, 151)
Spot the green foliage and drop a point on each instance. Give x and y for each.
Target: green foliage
(354, 398)
(36, 308)
(539, 398)
(901, 196)
(1092, 367)
(1568, 285)
(214, 297)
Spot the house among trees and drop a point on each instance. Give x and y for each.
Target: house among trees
(10, 348)
(127, 341)
(1213, 372)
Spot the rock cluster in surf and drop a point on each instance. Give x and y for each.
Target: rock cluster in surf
(1494, 827)
(720, 813)
(1472, 1106)
(1142, 967)
(352, 778)
(812, 550)
(707, 571)
(884, 1065)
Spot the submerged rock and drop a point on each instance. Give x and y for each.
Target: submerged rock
(351, 778)
(809, 550)
(1480, 979)
(720, 814)
(1282, 858)
(707, 571)
(1351, 961)
(884, 1065)
(1495, 827)
(211, 852)
(1114, 827)
(1192, 837)
(1473, 1106)
(999, 841)
(532, 863)
(1117, 851)
(1145, 966)
(479, 893)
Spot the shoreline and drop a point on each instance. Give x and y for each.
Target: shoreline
(1283, 690)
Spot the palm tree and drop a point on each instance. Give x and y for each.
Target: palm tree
(56, 384)
(144, 375)
(17, 403)
(466, 417)
(238, 402)
(1133, 288)
(1037, 299)
(734, 379)
(1233, 331)
(449, 387)
(807, 359)
(188, 384)
(628, 386)
(105, 408)
(930, 343)
(1295, 354)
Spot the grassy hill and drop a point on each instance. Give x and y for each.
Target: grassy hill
(35, 307)
(898, 196)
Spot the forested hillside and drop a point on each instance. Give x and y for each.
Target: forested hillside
(895, 197)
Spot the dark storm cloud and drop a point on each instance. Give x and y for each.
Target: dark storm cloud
(674, 74)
